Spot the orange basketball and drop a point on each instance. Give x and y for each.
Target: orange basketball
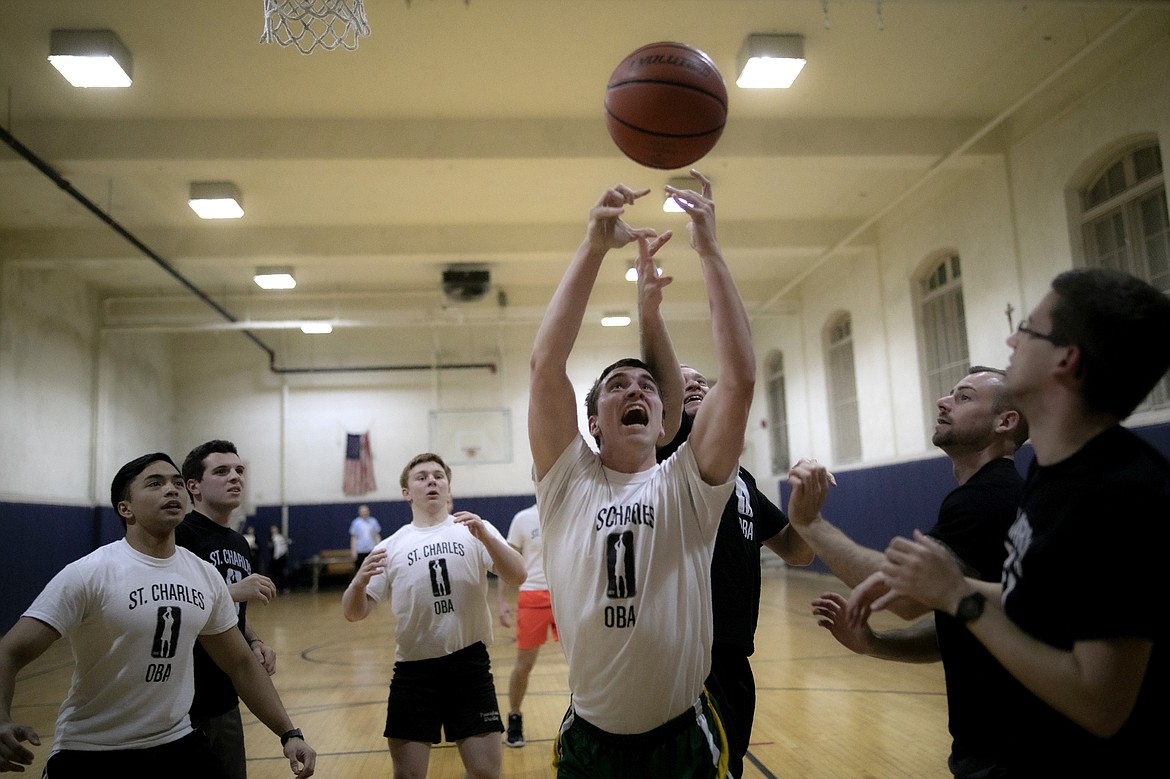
(666, 105)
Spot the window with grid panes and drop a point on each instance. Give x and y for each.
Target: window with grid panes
(1125, 226)
(777, 412)
(944, 329)
(844, 424)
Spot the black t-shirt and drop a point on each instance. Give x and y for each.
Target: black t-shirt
(982, 697)
(228, 551)
(749, 519)
(1085, 562)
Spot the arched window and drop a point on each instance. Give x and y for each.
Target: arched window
(777, 412)
(944, 327)
(1125, 227)
(844, 425)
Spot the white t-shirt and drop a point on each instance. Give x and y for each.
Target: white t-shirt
(524, 534)
(132, 621)
(628, 560)
(436, 580)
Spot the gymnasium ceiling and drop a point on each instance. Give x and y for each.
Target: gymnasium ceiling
(471, 131)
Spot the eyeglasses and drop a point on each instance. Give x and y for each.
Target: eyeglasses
(1020, 328)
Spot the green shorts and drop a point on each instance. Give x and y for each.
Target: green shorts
(690, 746)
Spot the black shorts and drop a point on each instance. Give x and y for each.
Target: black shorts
(453, 695)
(189, 757)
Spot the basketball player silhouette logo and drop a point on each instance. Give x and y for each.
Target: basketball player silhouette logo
(619, 565)
(166, 631)
(440, 582)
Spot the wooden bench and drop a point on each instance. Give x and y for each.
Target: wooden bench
(331, 562)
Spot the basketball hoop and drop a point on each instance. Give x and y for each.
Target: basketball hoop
(308, 24)
(470, 452)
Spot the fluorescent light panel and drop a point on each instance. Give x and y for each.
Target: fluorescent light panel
(312, 328)
(274, 277)
(90, 58)
(216, 200)
(615, 319)
(770, 61)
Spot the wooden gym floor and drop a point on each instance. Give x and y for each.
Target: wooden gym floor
(822, 712)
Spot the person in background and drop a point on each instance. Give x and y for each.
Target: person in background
(278, 558)
(214, 476)
(364, 535)
(533, 616)
(434, 574)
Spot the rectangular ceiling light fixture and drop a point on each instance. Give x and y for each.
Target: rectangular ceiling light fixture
(90, 58)
(313, 328)
(770, 61)
(274, 277)
(216, 200)
(615, 319)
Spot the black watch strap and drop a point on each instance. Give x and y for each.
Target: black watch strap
(294, 733)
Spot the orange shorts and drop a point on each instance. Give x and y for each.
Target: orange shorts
(534, 619)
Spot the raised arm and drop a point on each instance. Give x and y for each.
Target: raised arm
(657, 348)
(717, 438)
(917, 643)
(552, 418)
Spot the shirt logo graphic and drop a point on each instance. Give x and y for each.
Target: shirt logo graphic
(166, 631)
(619, 565)
(440, 582)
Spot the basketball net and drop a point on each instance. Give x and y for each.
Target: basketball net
(308, 24)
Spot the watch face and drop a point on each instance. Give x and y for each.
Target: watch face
(971, 607)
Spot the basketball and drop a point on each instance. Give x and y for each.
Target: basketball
(666, 105)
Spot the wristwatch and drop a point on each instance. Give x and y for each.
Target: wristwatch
(970, 607)
(294, 733)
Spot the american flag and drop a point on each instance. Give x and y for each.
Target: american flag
(359, 465)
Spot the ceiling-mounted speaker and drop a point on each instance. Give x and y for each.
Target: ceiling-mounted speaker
(466, 282)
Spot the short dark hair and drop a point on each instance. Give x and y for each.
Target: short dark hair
(1004, 401)
(425, 457)
(595, 390)
(193, 465)
(1119, 323)
(120, 486)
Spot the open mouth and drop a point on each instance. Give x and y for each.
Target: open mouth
(695, 398)
(635, 415)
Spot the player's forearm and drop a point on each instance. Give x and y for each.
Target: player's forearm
(730, 327)
(915, 644)
(791, 547)
(658, 352)
(260, 696)
(355, 604)
(508, 563)
(566, 310)
(848, 560)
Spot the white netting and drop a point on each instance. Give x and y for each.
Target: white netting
(308, 24)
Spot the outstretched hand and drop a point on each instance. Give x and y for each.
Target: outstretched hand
(701, 208)
(923, 569)
(810, 482)
(829, 609)
(650, 284)
(606, 230)
(14, 756)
